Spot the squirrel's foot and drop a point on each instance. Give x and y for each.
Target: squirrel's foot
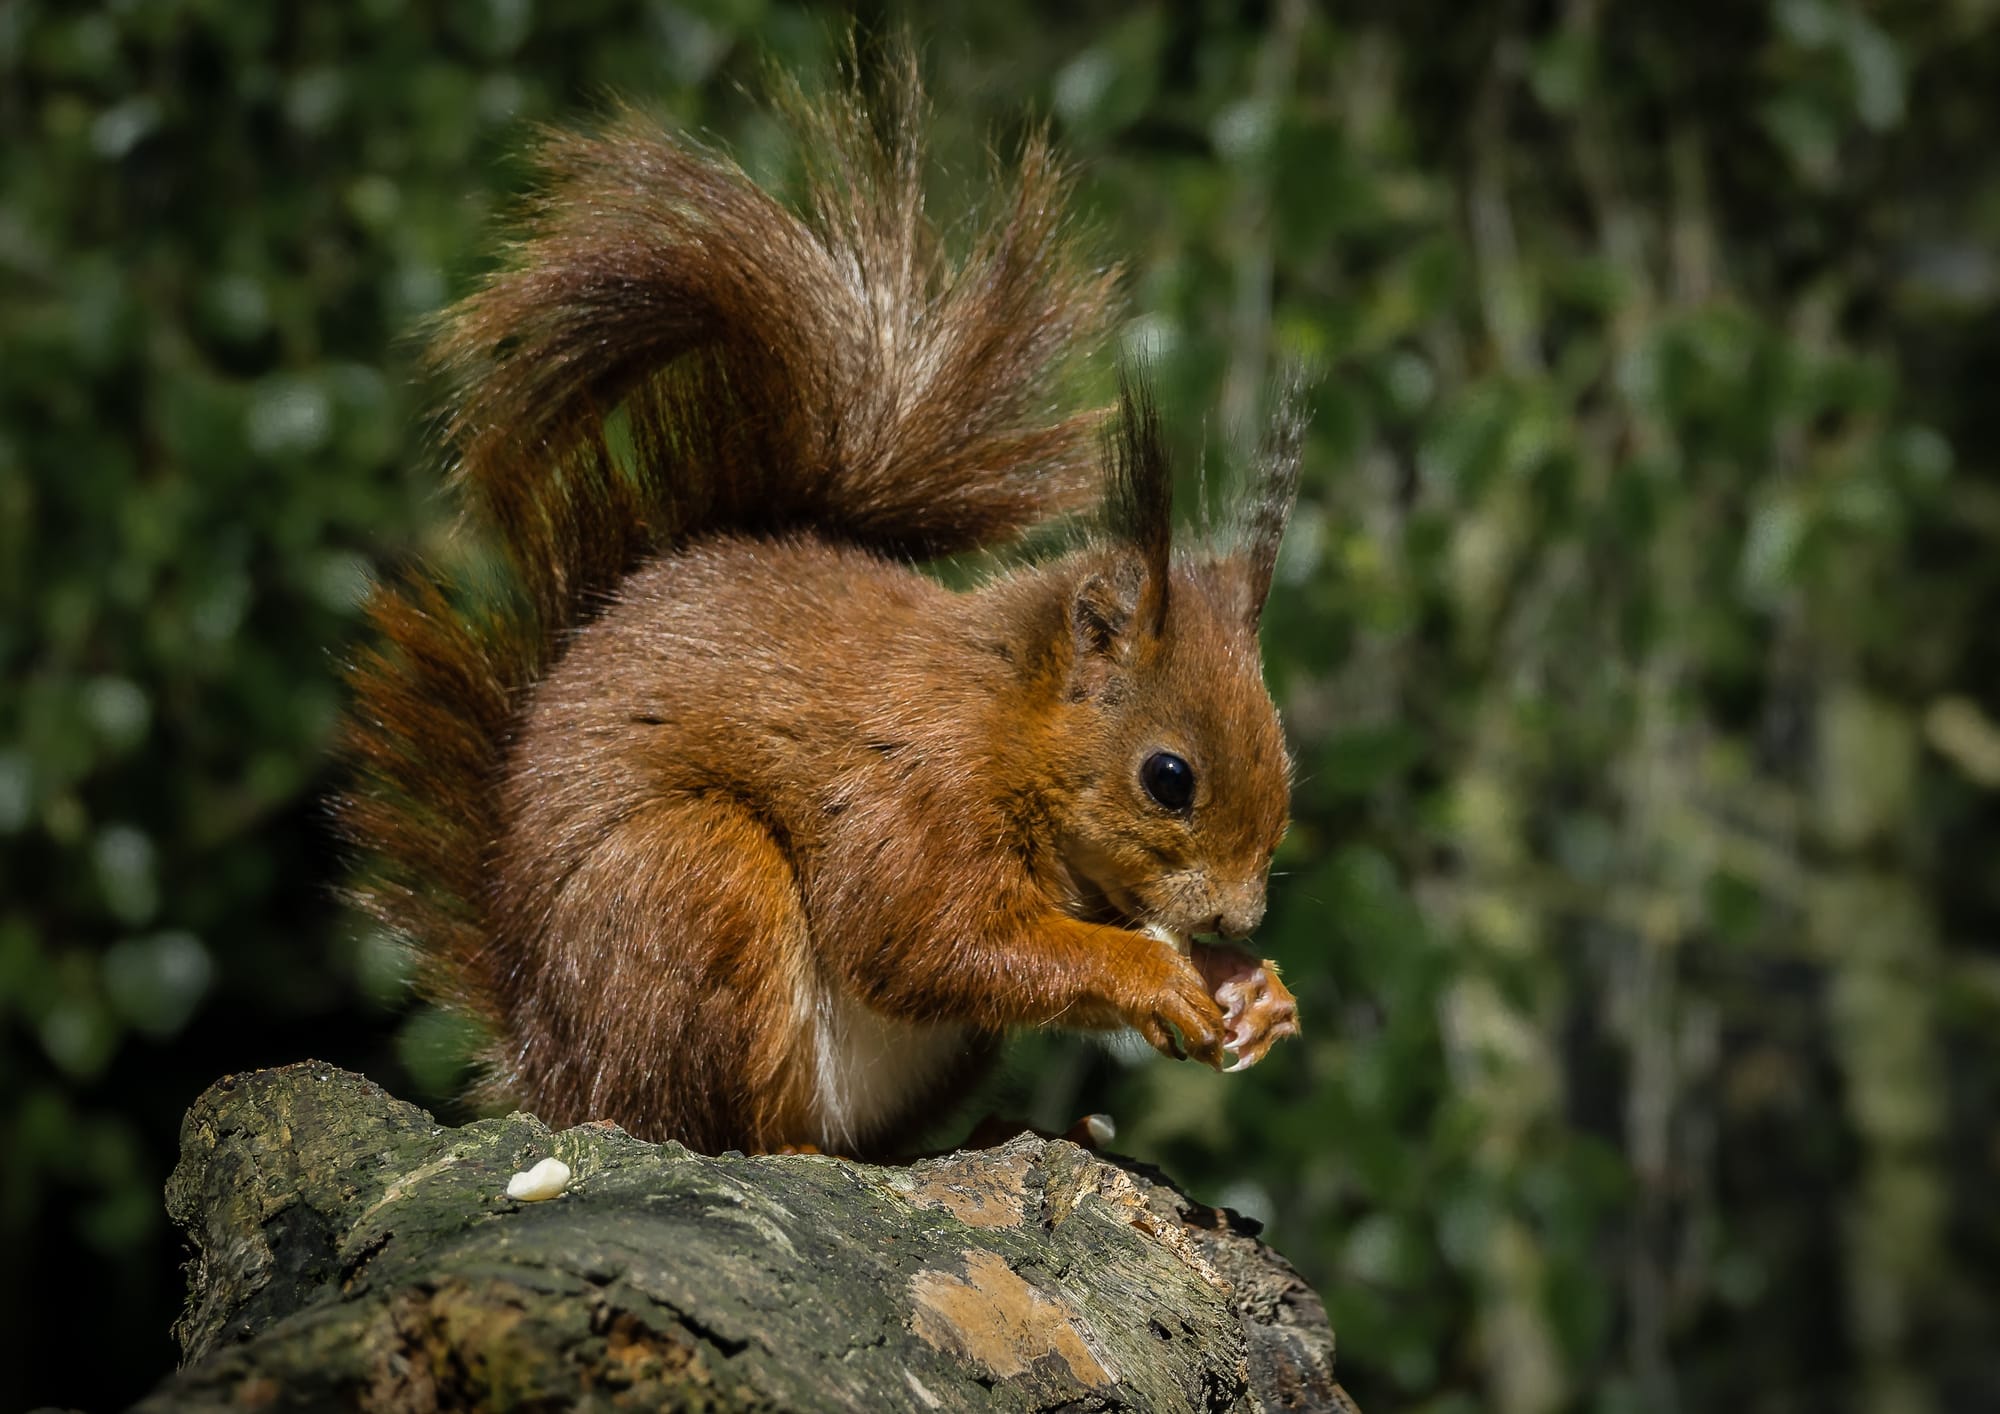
(1257, 1008)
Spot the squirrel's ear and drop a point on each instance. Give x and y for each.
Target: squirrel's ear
(1264, 506)
(1105, 628)
(1105, 614)
(1140, 499)
(1098, 618)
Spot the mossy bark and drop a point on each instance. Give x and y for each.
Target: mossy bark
(351, 1252)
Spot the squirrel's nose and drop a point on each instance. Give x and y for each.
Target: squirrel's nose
(1239, 922)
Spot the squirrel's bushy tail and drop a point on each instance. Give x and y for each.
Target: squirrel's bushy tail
(830, 369)
(670, 351)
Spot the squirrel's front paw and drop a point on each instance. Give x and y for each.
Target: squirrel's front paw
(1258, 1009)
(1182, 1005)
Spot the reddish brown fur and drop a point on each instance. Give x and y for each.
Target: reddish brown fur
(726, 784)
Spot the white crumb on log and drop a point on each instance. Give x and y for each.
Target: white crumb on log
(546, 1179)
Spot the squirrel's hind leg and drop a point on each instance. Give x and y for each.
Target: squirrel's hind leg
(675, 986)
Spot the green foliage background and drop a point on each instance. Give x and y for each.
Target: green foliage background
(1635, 637)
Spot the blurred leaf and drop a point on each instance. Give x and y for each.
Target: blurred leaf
(125, 859)
(155, 983)
(438, 1049)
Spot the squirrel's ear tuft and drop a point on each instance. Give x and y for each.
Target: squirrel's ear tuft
(1140, 500)
(1264, 505)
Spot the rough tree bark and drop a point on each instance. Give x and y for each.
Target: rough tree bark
(350, 1252)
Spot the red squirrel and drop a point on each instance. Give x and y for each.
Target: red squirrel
(729, 823)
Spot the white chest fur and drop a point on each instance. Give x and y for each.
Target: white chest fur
(873, 1068)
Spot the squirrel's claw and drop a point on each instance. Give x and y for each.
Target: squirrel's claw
(1252, 1049)
(1175, 1009)
(1185, 1023)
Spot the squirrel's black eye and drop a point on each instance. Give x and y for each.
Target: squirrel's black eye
(1168, 779)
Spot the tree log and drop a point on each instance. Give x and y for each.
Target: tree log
(348, 1251)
